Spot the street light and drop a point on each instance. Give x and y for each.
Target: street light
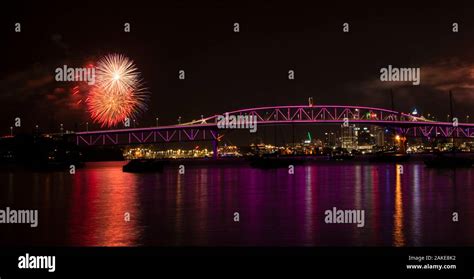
(87, 126)
(179, 120)
(157, 119)
(467, 118)
(11, 131)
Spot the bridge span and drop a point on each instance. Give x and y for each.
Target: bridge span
(206, 129)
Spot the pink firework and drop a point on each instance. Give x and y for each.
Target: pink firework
(118, 92)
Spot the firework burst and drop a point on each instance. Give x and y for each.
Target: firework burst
(118, 92)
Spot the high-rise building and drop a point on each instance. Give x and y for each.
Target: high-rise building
(379, 135)
(348, 136)
(329, 139)
(365, 137)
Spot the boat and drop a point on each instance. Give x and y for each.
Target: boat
(144, 165)
(390, 157)
(341, 154)
(452, 158)
(442, 160)
(270, 162)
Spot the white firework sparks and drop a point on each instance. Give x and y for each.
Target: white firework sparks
(118, 93)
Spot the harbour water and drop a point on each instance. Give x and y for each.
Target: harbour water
(100, 205)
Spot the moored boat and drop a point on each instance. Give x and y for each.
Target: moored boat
(269, 162)
(449, 161)
(144, 165)
(390, 157)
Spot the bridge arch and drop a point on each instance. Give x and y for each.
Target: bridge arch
(206, 129)
(319, 113)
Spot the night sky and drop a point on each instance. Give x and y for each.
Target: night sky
(228, 71)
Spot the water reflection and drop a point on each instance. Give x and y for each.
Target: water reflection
(102, 199)
(416, 206)
(308, 203)
(179, 206)
(398, 234)
(10, 188)
(276, 209)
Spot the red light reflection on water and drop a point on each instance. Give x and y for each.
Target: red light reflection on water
(101, 199)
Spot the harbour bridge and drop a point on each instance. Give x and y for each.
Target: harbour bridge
(206, 129)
